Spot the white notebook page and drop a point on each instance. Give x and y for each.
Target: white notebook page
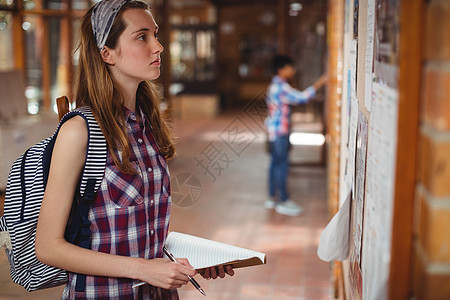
(203, 253)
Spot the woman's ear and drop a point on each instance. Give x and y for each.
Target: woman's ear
(107, 55)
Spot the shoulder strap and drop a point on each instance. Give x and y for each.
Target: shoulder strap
(96, 155)
(93, 172)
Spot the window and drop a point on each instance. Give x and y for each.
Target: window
(6, 3)
(40, 37)
(44, 4)
(6, 50)
(193, 57)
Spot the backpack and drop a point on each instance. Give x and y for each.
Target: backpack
(24, 192)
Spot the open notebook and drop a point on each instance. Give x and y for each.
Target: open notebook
(203, 253)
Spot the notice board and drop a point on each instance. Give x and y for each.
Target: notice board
(369, 120)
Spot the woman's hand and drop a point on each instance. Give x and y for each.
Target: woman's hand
(218, 271)
(163, 273)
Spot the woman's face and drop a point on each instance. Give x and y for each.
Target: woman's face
(137, 55)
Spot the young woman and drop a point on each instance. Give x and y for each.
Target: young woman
(119, 53)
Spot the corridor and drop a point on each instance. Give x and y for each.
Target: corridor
(218, 190)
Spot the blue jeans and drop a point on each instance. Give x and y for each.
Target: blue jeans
(279, 166)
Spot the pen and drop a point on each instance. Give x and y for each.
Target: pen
(192, 280)
(172, 258)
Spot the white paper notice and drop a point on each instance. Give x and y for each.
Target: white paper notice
(349, 176)
(353, 62)
(334, 240)
(361, 151)
(369, 54)
(370, 36)
(380, 177)
(368, 91)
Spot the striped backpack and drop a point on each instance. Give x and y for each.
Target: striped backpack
(24, 192)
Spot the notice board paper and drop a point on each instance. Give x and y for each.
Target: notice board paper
(352, 127)
(360, 175)
(380, 177)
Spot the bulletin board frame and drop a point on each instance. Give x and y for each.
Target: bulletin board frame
(410, 70)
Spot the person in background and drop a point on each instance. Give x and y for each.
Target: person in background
(129, 217)
(280, 96)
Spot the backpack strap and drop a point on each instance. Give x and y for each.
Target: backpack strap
(96, 154)
(78, 230)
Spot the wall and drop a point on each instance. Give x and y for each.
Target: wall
(249, 36)
(245, 28)
(432, 218)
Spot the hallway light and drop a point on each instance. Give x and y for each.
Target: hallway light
(294, 8)
(26, 26)
(306, 139)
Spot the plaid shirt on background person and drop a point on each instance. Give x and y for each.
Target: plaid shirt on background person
(130, 217)
(280, 96)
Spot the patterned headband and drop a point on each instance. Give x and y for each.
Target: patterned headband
(102, 18)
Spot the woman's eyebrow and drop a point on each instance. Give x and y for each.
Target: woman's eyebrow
(145, 29)
(139, 30)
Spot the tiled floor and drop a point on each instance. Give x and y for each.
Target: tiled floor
(218, 190)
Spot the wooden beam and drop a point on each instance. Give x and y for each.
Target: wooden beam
(282, 26)
(46, 12)
(335, 31)
(18, 37)
(242, 2)
(166, 8)
(410, 42)
(65, 67)
(333, 110)
(46, 70)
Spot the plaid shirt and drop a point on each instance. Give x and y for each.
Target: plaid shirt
(130, 216)
(280, 96)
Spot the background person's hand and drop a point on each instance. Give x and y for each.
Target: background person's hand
(321, 81)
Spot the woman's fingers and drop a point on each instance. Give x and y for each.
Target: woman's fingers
(220, 271)
(229, 270)
(217, 271)
(167, 274)
(185, 262)
(213, 272)
(205, 273)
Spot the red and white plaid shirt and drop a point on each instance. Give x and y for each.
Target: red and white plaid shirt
(130, 216)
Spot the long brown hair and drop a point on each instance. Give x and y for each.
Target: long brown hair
(96, 88)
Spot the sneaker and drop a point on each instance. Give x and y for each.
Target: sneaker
(289, 208)
(270, 203)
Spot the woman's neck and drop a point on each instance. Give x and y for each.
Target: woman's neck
(130, 105)
(130, 98)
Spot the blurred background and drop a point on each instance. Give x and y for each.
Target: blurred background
(388, 68)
